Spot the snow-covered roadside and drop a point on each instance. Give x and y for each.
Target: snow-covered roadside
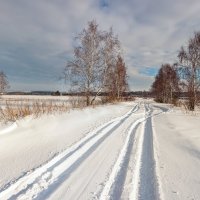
(34, 142)
(178, 154)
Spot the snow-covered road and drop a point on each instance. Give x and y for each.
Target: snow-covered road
(97, 165)
(122, 158)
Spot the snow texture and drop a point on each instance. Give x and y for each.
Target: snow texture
(137, 150)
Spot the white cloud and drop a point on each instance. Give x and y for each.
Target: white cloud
(37, 36)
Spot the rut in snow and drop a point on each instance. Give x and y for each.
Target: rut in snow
(144, 182)
(114, 185)
(148, 186)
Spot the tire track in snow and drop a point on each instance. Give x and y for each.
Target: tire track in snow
(148, 179)
(114, 181)
(144, 182)
(65, 163)
(156, 156)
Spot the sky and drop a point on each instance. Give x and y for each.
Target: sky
(37, 37)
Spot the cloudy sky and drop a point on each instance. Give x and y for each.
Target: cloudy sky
(36, 36)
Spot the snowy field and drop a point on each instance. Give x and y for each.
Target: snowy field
(29, 100)
(135, 150)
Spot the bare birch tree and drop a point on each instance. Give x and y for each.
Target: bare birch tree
(116, 83)
(85, 69)
(121, 77)
(189, 68)
(4, 84)
(94, 67)
(110, 50)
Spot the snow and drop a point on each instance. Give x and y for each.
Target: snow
(116, 169)
(137, 166)
(35, 141)
(134, 150)
(8, 129)
(178, 149)
(32, 97)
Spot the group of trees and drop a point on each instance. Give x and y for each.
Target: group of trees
(97, 65)
(166, 85)
(183, 76)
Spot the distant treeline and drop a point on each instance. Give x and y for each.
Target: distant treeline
(131, 94)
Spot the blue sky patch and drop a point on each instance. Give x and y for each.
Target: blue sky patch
(104, 3)
(149, 71)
